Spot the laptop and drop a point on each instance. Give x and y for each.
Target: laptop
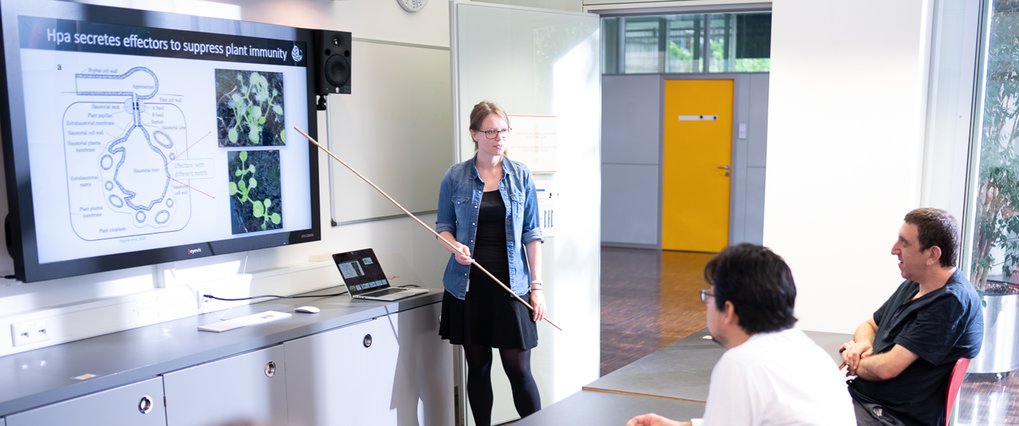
(363, 276)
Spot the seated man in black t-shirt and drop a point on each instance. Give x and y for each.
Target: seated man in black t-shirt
(903, 356)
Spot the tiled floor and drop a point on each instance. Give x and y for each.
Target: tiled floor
(986, 399)
(649, 300)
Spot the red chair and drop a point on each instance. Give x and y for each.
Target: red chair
(954, 383)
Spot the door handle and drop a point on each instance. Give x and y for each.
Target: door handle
(725, 167)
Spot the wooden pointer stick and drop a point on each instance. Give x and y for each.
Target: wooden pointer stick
(411, 215)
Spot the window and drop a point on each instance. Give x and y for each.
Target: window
(641, 39)
(995, 245)
(686, 43)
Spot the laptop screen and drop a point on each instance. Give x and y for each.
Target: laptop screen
(361, 271)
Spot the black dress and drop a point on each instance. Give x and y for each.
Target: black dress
(489, 315)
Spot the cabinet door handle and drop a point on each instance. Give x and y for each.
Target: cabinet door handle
(145, 404)
(270, 368)
(367, 341)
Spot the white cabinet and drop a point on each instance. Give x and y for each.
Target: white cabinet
(392, 370)
(244, 389)
(137, 404)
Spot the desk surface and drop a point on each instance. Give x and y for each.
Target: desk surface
(682, 370)
(602, 408)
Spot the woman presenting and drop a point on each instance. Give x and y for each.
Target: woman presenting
(488, 209)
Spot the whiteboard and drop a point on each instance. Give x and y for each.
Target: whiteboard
(395, 127)
(532, 62)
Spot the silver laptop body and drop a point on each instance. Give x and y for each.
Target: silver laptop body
(363, 276)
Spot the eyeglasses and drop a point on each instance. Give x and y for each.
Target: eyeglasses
(491, 133)
(705, 295)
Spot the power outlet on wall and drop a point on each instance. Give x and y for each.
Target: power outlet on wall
(225, 290)
(205, 304)
(29, 332)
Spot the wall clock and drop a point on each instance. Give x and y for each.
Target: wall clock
(412, 5)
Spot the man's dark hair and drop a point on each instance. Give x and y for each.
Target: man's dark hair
(758, 283)
(937, 227)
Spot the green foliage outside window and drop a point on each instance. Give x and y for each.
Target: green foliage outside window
(997, 209)
(679, 53)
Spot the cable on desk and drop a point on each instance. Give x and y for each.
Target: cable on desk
(272, 296)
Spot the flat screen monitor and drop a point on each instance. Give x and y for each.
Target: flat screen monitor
(136, 137)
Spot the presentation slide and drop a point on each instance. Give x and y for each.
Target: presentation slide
(144, 137)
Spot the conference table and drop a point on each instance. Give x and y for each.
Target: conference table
(672, 381)
(593, 408)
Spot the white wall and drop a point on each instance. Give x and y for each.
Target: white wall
(370, 19)
(845, 149)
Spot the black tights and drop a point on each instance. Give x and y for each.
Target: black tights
(517, 364)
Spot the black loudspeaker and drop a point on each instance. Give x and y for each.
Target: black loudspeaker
(332, 61)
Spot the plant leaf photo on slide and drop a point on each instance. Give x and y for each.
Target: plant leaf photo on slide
(249, 108)
(255, 201)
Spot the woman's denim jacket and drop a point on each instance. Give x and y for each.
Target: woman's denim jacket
(459, 199)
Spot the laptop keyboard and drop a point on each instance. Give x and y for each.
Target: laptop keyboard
(384, 292)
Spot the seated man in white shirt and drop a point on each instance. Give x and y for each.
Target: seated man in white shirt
(771, 373)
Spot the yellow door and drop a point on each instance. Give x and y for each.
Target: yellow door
(697, 164)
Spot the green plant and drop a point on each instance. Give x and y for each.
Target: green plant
(253, 103)
(679, 53)
(242, 188)
(997, 209)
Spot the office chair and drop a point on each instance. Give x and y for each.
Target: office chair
(954, 383)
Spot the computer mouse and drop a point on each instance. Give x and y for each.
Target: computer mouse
(307, 309)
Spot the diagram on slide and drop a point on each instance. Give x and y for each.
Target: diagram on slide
(125, 145)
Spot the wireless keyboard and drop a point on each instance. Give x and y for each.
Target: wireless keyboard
(252, 319)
